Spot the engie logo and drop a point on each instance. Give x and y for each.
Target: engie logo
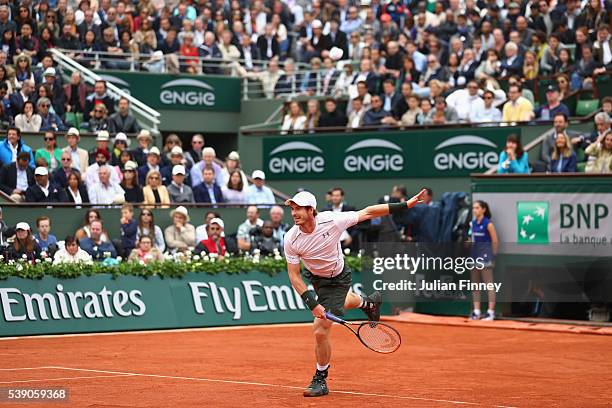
(380, 156)
(287, 160)
(457, 154)
(190, 92)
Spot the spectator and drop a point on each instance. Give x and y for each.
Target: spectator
(329, 76)
(74, 190)
(121, 143)
(122, 120)
(258, 193)
(208, 191)
(390, 98)
(147, 228)
(232, 162)
(268, 44)
(71, 253)
(51, 153)
(564, 65)
(50, 120)
(549, 57)
(288, 82)
(90, 216)
(487, 113)
(563, 157)
(344, 81)
(234, 191)
(129, 184)
(129, 228)
(441, 114)
(513, 63)
(602, 48)
(518, 108)
(98, 248)
(466, 102)
(12, 145)
(201, 233)
(144, 141)
(600, 155)
(513, 159)
(585, 68)
(243, 235)
(332, 117)
(563, 82)
(189, 54)
(194, 155)
(60, 175)
(337, 204)
(180, 236)
(99, 120)
(312, 115)
(268, 78)
(146, 252)
(17, 177)
(56, 94)
(102, 159)
(294, 120)
(171, 142)
(179, 192)
(602, 127)
(265, 242)
(23, 73)
(209, 51)
(560, 124)
(554, 105)
(176, 159)
(105, 191)
(24, 247)
(153, 159)
(410, 115)
(99, 96)
(279, 227)
(249, 53)
(154, 192)
(43, 191)
(102, 139)
(355, 119)
(208, 160)
(45, 240)
(490, 68)
(376, 114)
(28, 120)
(214, 242)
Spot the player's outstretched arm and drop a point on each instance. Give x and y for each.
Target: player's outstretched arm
(380, 210)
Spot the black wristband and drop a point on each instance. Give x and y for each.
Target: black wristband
(396, 208)
(310, 299)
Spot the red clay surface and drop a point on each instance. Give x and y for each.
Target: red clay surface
(437, 366)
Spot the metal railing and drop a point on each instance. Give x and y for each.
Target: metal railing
(146, 114)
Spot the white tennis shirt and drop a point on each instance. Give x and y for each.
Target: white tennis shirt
(320, 250)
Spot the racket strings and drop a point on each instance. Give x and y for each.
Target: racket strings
(379, 337)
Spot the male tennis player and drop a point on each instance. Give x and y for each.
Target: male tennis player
(315, 240)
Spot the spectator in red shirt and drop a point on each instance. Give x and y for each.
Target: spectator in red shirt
(215, 243)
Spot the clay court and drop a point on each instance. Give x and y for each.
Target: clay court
(268, 366)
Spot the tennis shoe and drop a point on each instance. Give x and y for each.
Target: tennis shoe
(475, 316)
(489, 316)
(318, 386)
(372, 306)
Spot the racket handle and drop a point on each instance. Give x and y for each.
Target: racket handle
(333, 318)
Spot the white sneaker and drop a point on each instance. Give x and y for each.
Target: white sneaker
(489, 316)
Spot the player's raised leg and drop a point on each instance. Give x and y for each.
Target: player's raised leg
(369, 304)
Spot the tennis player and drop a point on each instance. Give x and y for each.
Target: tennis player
(315, 240)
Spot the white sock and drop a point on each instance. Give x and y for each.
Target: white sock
(476, 311)
(322, 367)
(490, 311)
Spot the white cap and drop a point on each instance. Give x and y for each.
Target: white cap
(335, 53)
(217, 221)
(41, 171)
(144, 133)
(123, 137)
(180, 210)
(154, 150)
(102, 136)
(176, 150)
(303, 199)
(49, 72)
(130, 165)
(22, 226)
(73, 131)
(233, 156)
(258, 174)
(178, 169)
(316, 24)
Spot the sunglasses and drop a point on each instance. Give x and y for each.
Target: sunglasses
(147, 214)
(153, 178)
(44, 106)
(47, 139)
(98, 111)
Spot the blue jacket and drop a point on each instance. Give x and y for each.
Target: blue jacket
(6, 154)
(201, 195)
(568, 164)
(97, 251)
(519, 166)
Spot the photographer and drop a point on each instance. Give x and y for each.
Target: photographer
(262, 239)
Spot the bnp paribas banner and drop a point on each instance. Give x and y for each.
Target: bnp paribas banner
(102, 303)
(424, 153)
(179, 92)
(581, 219)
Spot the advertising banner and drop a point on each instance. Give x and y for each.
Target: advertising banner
(426, 153)
(179, 92)
(102, 303)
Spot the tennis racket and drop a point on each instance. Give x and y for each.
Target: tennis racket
(376, 336)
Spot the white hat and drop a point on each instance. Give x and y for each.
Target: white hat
(130, 165)
(144, 134)
(154, 150)
(102, 136)
(123, 137)
(176, 150)
(178, 169)
(233, 156)
(41, 171)
(22, 226)
(336, 53)
(217, 221)
(180, 210)
(316, 24)
(303, 199)
(73, 131)
(49, 72)
(258, 174)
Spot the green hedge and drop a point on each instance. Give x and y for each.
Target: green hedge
(170, 268)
